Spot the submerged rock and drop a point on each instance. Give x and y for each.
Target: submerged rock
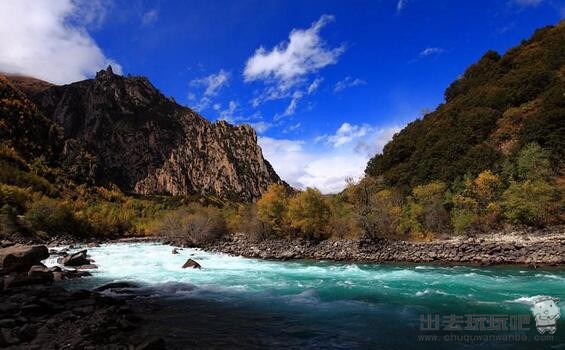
(175, 251)
(116, 285)
(191, 264)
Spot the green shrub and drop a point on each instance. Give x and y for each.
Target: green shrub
(53, 216)
(17, 197)
(530, 203)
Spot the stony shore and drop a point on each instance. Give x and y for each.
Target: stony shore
(37, 313)
(527, 247)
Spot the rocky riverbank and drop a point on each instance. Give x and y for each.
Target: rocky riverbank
(527, 247)
(37, 313)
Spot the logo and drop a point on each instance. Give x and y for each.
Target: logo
(546, 312)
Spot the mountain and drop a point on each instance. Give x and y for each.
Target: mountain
(123, 131)
(499, 105)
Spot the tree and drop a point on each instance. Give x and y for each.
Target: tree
(533, 163)
(272, 207)
(310, 212)
(530, 202)
(430, 197)
(362, 196)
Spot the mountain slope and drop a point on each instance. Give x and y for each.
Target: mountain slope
(146, 143)
(500, 104)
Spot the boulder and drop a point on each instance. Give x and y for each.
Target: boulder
(19, 258)
(75, 259)
(175, 251)
(40, 272)
(191, 264)
(37, 276)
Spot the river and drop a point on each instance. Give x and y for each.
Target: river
(235, 302)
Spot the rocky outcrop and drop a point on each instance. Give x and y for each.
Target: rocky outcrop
(529, 249)
(49, 317)
(20, 258)
(122, 130)
(35, 314)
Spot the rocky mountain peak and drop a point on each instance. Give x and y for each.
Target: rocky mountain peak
(146, 143)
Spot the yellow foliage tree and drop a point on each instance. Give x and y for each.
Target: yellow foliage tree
(310, 213)
(272, 207)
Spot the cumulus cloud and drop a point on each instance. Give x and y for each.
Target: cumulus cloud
(150, 17)
(49, 39)
(329, 164)
(430, 51)
(212, 83)
(347, 133)
(304, 53)
(348, 82)
(286, 69)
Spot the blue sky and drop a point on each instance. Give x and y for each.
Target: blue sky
(325, 83)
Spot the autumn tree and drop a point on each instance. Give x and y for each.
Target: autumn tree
(272, 207)
(309, 212)
(425, 210)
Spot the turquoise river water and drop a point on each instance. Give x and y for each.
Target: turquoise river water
(235, 302)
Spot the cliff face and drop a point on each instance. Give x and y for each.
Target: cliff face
(146, 143)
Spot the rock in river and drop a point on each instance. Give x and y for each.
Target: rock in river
(191, 264)
(75, 259)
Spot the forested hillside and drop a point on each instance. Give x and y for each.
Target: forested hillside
(498, 106)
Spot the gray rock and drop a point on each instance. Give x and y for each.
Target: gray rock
(76, 259)
(191, 264)
(19, 258)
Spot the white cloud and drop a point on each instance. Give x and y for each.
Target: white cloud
(285, 70)
(348, 82)
(228, 114)
(304, 53)
(213, 83)
(233, 114)
(150, 17)
(430, 51)
(261, 127)
(49, 39)
(292, 127)
(202, 104)
(314, 85)
(291, 108)
(400, 5)
(347, 133)
(326, 166)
